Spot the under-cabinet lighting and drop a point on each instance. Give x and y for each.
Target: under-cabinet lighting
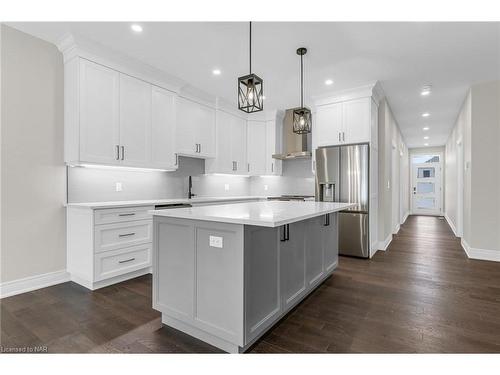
(425, 128)
(426, 114)
(226, 175)
(119, 168)
(426, 137)
(329, 82)
(426, 90)
(426, 144)
(216, 72)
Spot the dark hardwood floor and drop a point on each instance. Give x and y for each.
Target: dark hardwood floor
(421, 295)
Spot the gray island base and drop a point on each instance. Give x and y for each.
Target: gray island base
(227, 282)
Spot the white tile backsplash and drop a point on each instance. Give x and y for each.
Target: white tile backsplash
(94, 185)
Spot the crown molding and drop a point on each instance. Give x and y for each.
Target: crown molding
(373, 90)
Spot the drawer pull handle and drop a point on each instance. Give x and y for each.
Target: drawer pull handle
(126, 260)
(126, 234)
(129, 214)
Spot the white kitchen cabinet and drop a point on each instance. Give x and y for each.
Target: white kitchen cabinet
(111, 118)
(256, 148)
(328, 125)
(231, 145)
(356, 120)
(346, 122)
(163, 124)
(195, 132)
(135, 122)
(98, 114)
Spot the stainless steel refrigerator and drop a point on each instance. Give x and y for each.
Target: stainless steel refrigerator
(342, 174)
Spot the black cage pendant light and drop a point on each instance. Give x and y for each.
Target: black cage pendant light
(302, 116)
(250, 89)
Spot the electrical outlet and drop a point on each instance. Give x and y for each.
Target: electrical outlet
(266, 187)
(216, 241)
(118, 186)
(226, 187)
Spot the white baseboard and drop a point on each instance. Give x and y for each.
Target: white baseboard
(450, 223)
(11, 288)
(383, 245)
(480, 254)
(405, 217)
(395, 230)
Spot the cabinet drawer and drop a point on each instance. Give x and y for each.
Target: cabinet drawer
(119, 235)
(118, 215)
(118, 262)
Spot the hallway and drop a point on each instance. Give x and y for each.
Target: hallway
(421, 295)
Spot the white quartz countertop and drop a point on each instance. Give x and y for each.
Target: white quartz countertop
(263, 213)
(152, 202)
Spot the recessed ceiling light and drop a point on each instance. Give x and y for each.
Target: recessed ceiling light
(426, 144)
(216, 72)
(329, 82)
(426, 114)
(425, 128)
(426, 137)
(426, 90)
(136, 28)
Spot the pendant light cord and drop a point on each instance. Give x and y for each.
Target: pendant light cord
(250, 47)
(301, 82)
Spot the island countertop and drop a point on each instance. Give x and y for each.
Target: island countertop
(266, 214)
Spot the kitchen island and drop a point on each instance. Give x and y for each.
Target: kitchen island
(226, 273)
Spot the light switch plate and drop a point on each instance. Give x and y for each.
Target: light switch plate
(216, 241)
(266, 187)
(118, 186)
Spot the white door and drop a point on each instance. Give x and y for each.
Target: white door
(328, 125)
(426, 185)
(99, 114)
(256, 148)
(135, 122)
(163, 129)
(356, 121)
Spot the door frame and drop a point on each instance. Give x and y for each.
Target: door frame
(441, 178)
(460, 188)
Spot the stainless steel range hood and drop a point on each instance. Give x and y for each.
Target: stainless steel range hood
(295, 146)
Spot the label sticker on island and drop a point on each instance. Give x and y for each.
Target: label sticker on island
(216, 241)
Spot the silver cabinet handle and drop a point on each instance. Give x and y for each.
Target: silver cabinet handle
(126, 260)
(200, 147)
(248, 167)
(126, 234)
(327, 220)
(128, 214)
(235, 165)
(176, 159)
(123, 152)
(272, 167)
(343, 136)
(339, 137)
(117, 152)
(196, 144)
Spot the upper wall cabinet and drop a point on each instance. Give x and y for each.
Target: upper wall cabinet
(115, 119)
(231, 145)
(344, 122)
(195, 129)
(256, 147)
(274, 144)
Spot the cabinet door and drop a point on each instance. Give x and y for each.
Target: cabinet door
(273, 146)
(135, 121)
(356, 120)
(328, 125)
(293, 265)
(256, 147)
(314, 249)
(185, 129)
(163, 120)
(223, 162)
(238, 143)
(99, 114)
(205, 130)
(330, 243)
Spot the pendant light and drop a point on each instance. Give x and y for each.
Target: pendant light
(301, 116)
(250, 89)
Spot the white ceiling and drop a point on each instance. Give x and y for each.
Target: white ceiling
(402, 56)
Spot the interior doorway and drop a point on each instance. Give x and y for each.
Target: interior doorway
(426, 186)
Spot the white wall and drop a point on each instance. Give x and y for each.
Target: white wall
(393, 175)
(478, 130)
(33, 173)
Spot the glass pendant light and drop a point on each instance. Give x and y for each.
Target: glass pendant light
(302, 116)
(250, 89)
